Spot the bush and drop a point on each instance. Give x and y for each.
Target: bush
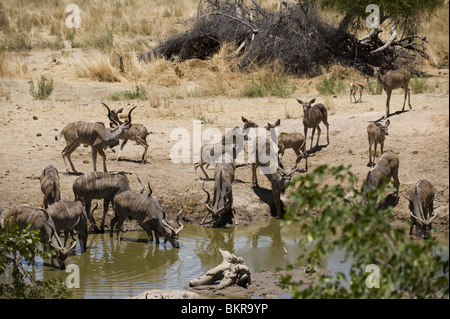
(331, 86)
(139, 94)
(418, 85)
(17, 247)
(276, 86)
(407, 268)
(373, 87)
(45, 88)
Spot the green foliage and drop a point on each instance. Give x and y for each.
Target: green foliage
(408, 268)
(139, 94)
(373, 87)
(45, 88)
(276, 86)
(330, 86)
(418, 85)
(406, 13)
(19, 247)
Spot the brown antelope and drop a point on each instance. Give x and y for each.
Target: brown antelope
(296, 141)
(421, 200)
(385, 169)
(70, 216)
(42, 222)
(212, 151)
(391, 80)
(148, 212)
(376, 133)
(97, 185)
(94, 134)
(312, 116)
(223, 195)
(50, 185)
(357, 87)
(136, 132)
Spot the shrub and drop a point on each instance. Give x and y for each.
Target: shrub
(373, 87)
(407, 268)
(330, 86)
(418, 85)
(139, 94)
(276, 86)
(45, 88)
(17, 247)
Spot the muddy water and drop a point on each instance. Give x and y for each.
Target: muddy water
(112, 270)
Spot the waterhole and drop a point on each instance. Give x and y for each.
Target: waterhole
(109, 269)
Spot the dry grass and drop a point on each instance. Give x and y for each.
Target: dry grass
(98, 68)
(12, 66)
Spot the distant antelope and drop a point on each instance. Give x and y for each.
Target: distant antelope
(385, 169)
(376, 133)
(296, 141)
(357, 87)
(234, 137)
(50, 185)
(136, 132)
(94, 134)
(312, 116)
(391, 80)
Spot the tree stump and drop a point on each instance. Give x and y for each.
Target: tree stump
(231, 271)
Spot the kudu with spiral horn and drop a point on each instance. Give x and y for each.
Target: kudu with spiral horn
(94, 134)
(421, 200)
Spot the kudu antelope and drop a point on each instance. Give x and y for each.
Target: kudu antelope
(50, 186)
(312, 116)
(94, 134)
(42, 222)
(296, 141)
(147, 211)
(421, 200)
(212, 151)
(385, 169)
(357, 87)
(70, 216)
(376, 134)
(223, 194)
(267, 158)
(391, 80)
(136, 132)
(98, 185)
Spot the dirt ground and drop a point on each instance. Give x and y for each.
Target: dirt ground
(28, 128)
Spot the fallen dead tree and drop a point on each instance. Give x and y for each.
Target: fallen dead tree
(232, 271)
(294, 36)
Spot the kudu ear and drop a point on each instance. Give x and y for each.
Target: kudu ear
(244, 119)
(387, 123)
(299, 101)
(312, 101)
(277, 123)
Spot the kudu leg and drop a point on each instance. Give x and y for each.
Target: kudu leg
(388, 101)
(105, 211)
(121, 148)
(67, 152)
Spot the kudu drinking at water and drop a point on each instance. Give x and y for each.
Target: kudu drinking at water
(421, 200)
(223, 195)
(147, 211)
